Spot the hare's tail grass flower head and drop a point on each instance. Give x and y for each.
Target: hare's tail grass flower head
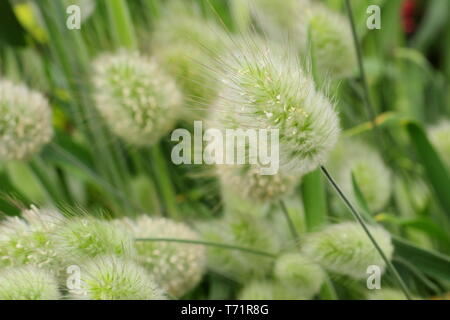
(243, 231)
(268, 290)
(138, 100)
(299, 273)
(27, 240)
(263, 88)
(88, 237)
(112, 278)
(439, 135)
(372, 175)
(346, 249)
(25, 121)
(306, 22)
(28, 283)
(184, 41)
(247, 182)
(177, 267)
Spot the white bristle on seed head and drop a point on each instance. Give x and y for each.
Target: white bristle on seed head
(439, 135)
(25, 121)
(28, 283)
(346, 249)
(112, 278)
(263, 88)
(139, 101)
(300, 273)
(177, 267)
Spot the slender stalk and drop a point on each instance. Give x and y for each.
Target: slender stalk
(361, 221)
(289, 220)
(314, 200)
(214, 244)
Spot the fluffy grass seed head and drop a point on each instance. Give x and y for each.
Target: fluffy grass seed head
(26, 240)
(372, 175)
(440, 137)
(267, 290)
(28, 283)
(243, 231)
(177, 267)
(184, 42)
(138, 100)
(247, 182)
(89, 237)
(303, 20)
(266, 89)
(25, 121)
(332, 42)
(346, 249)
(299, 273)
(111, 278)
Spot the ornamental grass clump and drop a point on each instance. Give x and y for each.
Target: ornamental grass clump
(112, 278)
(346, 249)
(300, 274)
(372, 176)
(138, 100)
(25, 121)
(177, 267)
(263, 88)
(88, 237)
(28, 283)
(27, 240)
(440, 137)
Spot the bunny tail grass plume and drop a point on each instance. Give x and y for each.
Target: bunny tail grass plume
(440, 137)
(184, 41)
(177, 267)
(299, 273)
(371, 174)
(309, 23)
(27, 283)
(88, 237)
(26, 240)
(110, 278)
(25, 121)
(137, 99)
(264, 88)
(243, 231)
(247, 182)
(267, 290)
(346, 249)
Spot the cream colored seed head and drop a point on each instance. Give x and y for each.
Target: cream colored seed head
(137, 99)
(25, 121)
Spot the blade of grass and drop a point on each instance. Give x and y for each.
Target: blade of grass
(435, 170)
(289, 220)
